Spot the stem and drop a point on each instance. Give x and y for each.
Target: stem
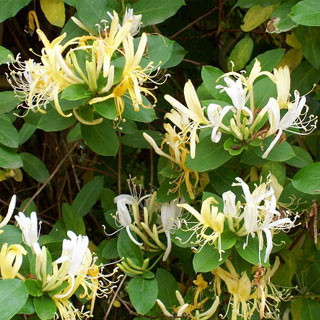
(50, 178)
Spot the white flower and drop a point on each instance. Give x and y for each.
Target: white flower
(170, 215)
(261, 216)
(238, 96)
(216, 115)
(11, 208)
(123, 214)
(136, 20)
(74, 251)
(29, 228)
(294, 118)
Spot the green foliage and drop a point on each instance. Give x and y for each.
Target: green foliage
(230, 220)
(13, 296)
(143, 293)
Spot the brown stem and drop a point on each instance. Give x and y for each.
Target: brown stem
(51, 176)
(192, 23)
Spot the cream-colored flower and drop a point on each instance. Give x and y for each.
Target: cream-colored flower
(210, 224)
(11, 258)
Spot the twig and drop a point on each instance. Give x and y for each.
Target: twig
(95, 170)
(192, 23)
(73, 169)
(51, 176)
(114, 297)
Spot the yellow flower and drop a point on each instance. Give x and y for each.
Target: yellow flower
(193, 311)
(11, 260)
(8, 216)
(177, 155)
(132, 79)
(188, 118)
(208, 219)
(39, 83)
(239, 289)
(281, 77)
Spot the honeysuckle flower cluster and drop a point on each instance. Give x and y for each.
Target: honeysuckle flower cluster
(257, 215)
(248, 296)
(88, 64)
(75, 268)
(148, 219)
(181, 138)
(193, 310)
(248, 121)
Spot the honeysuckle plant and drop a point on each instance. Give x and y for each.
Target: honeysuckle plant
(210, 110)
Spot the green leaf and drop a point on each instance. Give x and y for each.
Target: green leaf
(263, 89)
(307, 179)
(240, 54)
(107, 196)
(250, 252)
(136, 140)
(208, 258)
(176, 57)
(167, 286)
(45, 307)
(9, 135)
(72, 219)
(92, 12)
(10, 8)
(280, 153)
(154, 11)
(309, 37)
(223, 179)
(307, 13)
(9, 159)
(110, 249)
(5, 55)
(101, 138)
(281, 21)
(159, 50)
(302, 158)
(278, 169)
(210, 75)
(34, 287)
(143, 115)
(76, 92)
(310, 309)
(13, 296)
(28, 307)
(303, 77)
(88, 196)
(52, 121)
(143, 293)
(26, 131)
(74, 134)
(209, 156)
(250, 3)
(11, 235)
(127, 249)
(255, 16)
(8, 101)
(34, 167)
(107, 109)
(268, 59)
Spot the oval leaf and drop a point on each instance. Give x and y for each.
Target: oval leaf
(143, 293)
(34, 167)
(101, 138)
(13, 296)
